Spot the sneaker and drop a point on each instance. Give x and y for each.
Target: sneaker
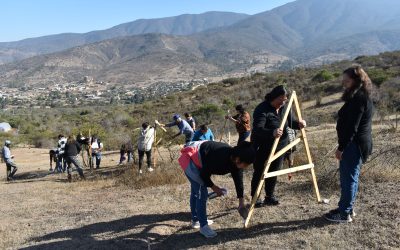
(150, 169)
(207, 232)
(338, 217)
(333, 211)
(259, 203)
(140, 171)
(196, 224)
(271, 201)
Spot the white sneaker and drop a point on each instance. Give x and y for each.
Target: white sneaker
(140, 171)
(207, 232)
(150, 169)
(196, 224)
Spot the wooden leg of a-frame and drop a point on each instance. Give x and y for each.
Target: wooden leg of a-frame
(314, 180)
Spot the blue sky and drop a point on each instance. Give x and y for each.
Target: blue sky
(21, 19)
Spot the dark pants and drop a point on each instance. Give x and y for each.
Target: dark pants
(74, 160)
(11, 169)
(141, 156)
(96, 156)
(350, 166)
(262, 155)
(243, 136)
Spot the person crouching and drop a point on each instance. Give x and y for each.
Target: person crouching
(199, 160)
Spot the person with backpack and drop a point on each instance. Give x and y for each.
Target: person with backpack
(71, 152)
(200, 160)
(242, 123)
(184, 128)
(145, 143)
(97, 147)
(61, 164)
(8, 159)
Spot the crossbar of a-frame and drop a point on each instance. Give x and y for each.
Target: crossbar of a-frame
(274, 155)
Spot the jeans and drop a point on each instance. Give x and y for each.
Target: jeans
(349, 168)
(198, 199)
(61, 164)
(141, 157)
(243, 136)
(262, 154)
(74, 160)
(188, 137)
(97, 156)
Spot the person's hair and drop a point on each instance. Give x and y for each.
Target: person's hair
(71, 139)
(60, 136)
(145, 125)
(239, 108)
(276, 92)
(203, 127)
(187, 115)
(245, 152)
(361, 80)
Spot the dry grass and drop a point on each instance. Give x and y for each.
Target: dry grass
(118, 209)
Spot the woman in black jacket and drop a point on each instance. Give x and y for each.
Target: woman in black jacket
(71, 152)
(355, 138)
(267, 118)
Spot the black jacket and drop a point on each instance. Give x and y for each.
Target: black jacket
(216, 159)
(72, 149)
(355, 123)
(265, 121)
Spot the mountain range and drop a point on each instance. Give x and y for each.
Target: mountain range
(212, 44)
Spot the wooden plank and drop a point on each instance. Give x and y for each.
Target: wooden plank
(288, 170)
(307, 148)
(283, 150)
(267, 165)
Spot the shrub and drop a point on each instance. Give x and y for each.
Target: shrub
(323, 76)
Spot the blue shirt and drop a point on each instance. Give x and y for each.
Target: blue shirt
(184, 127)
(199, 136)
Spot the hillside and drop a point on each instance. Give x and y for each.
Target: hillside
(179, 25)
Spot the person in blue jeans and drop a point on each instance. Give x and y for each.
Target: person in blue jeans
(202, 159)
(354, 131)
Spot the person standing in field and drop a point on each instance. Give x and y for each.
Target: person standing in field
(267, 117)
(8, 159)
(354, 132)
(72, 149)
(61, 163)
(191, 121)
(145, 144)
(242, 123)
(97, 147)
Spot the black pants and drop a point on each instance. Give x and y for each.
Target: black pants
(141, 156)
(262, 155)
(11, 169)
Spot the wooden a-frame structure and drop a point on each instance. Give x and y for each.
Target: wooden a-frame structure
(274, 155)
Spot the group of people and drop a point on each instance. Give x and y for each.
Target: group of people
(203, 157)
(200, 160)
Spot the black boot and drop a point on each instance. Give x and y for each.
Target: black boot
(271, 201)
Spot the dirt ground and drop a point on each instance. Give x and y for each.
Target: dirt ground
(40, 210)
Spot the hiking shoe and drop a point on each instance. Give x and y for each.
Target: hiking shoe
(333, 211)
(207, 232)
(150, 169)
(140, 171)
(69, 178)
(338, 217)
(271, 201)
(259, 204)
(196, 224)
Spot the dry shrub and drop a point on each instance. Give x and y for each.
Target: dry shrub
(166, 173)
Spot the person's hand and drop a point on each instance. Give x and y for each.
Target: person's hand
(278, 132)
(217, 190)
(338, 154)
(302, 124)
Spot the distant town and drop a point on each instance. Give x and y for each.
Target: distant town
(88, 91)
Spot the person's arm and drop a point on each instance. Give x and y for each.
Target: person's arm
(260, 119)
(168, 125)
(352, 121)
